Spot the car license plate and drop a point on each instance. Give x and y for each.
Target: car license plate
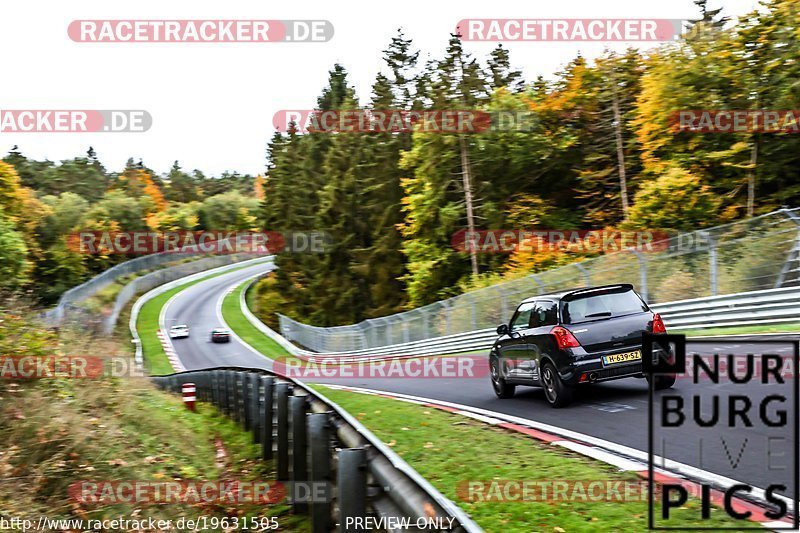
(622, 357)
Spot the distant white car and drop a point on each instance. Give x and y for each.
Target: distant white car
(179, 332)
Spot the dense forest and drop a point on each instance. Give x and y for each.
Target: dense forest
(42, 203)
(600, 154)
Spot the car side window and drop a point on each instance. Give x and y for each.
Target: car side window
(544, 314)
(522, 317)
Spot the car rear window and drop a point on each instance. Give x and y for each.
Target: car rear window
(596, 306)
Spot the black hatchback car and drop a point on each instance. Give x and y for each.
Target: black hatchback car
(560, 341)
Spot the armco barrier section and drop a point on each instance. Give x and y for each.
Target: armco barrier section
(323, 451)
(756, 254)
(773, 306)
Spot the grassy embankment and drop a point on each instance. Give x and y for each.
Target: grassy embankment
(59, 431)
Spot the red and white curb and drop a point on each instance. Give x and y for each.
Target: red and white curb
(170, 351)
(595, 449)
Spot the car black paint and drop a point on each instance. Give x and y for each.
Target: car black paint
(528, 353)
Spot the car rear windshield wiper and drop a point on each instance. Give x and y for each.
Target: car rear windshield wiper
(604, 313)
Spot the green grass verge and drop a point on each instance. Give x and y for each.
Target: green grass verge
(234, 317)
(155, 360)
(741, 330)
(449, 450)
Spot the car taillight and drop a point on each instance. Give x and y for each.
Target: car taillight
(564, 338)
(658, 324)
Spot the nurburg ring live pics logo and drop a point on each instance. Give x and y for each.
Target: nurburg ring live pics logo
(734, 415)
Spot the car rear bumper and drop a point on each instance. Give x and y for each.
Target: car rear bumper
(590, 368)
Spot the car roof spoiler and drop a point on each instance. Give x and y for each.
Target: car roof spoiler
(604, 288)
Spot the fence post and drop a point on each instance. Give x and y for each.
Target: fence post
(642, 275)
(351, 480)
(297, 408)
(282, 405)
(266, 417)
(587, 278)
(319, 439)
(712, 263)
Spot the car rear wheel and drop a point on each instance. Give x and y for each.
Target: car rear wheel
(663, 382)
(502, 389)
(557, 393)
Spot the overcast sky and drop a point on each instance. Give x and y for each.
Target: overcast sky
(212, 104)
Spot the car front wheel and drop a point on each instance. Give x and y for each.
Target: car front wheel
(557, 393)
(502, 389)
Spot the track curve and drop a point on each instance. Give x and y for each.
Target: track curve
(614, 411)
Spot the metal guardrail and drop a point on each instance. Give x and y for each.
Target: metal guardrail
(772, 306)
(317, 445)
(69, 308)
(755, 254)
(73, 296)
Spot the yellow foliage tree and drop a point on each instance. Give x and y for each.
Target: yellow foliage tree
(258, 187)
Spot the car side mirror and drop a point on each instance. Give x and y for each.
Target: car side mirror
(502, 329)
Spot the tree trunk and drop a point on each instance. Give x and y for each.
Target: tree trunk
(751, 178)
(467, 180)
(623, 184)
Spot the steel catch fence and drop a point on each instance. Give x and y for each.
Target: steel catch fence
(756, 254)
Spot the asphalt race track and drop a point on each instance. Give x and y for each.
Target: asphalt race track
(615, 411)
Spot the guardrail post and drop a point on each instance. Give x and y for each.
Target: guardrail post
(227, 392)
(266, 417)
(247, 401)
(255, 406)
(351, 480)
(282, 405)
(297, 410)
(238, 396)
(215, 388)
(319, 439)
(202, 387)
(207, 386)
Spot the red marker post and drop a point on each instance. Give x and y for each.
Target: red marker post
(189, 395)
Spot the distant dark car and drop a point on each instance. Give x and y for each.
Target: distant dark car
(220, 335)
(559, 341)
